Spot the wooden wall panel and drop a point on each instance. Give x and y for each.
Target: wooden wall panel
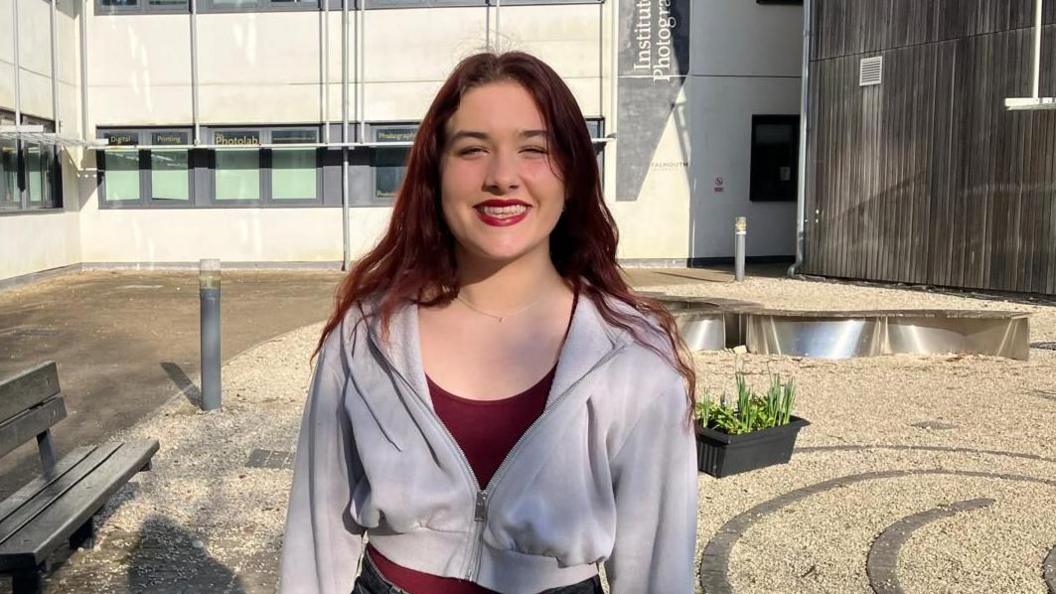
(927, 178)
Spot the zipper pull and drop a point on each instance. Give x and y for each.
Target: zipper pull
(482, 506)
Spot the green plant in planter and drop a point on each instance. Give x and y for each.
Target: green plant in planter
(753, 411)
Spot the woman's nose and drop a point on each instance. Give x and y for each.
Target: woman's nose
(502, 176)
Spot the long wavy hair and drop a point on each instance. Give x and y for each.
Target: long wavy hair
(415, 259)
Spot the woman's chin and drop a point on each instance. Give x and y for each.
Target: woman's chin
(499, 254)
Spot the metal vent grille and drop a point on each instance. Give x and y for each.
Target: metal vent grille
(870, 71)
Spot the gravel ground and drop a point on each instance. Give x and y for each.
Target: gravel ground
(203, 521)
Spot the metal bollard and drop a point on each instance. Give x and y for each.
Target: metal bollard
(209, 292)
(740, 230)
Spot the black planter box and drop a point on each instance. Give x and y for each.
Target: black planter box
(721, 454)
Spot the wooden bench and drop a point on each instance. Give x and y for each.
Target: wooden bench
(59, 506)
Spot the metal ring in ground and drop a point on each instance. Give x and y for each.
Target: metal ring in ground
(881, 565)
(715, 562)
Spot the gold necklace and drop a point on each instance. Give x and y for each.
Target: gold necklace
(499, 318)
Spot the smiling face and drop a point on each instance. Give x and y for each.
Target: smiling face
(500, 192)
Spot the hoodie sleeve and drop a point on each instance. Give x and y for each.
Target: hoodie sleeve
(322, 543)
(655, 486)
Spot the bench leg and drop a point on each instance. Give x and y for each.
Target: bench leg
(27, 582)
(84, 536)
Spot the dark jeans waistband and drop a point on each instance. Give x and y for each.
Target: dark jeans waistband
(370, 581)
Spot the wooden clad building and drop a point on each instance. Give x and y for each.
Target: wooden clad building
(926, 177)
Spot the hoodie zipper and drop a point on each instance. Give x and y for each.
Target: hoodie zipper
(481, 514)
(480, 510)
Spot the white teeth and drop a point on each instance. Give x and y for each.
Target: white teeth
(503, 211)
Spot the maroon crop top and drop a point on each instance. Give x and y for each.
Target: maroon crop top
(486, 431)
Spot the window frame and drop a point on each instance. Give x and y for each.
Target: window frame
(51, 171)
(372, 134)
(143, 136)
(755, 192)
(15, 203)
(212, 7)
(147, 173)
(266, 161)
(141, 7)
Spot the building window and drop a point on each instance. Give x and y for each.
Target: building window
(389, 163)
(9, 194)
(30, 174)
(170, 172)
(294, 170)
(774, 165)
(274, 175)
(246, 167)
(236, 170)
(104, 7)
(138, 171)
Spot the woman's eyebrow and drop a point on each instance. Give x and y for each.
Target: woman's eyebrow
(468, 134)
(484, 136)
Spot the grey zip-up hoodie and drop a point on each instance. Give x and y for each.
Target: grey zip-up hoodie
(606, 474)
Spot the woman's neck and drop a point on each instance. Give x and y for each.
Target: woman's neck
(510, 285)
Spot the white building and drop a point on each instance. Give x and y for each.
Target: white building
(225, 121)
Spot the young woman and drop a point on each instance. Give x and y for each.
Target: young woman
(492, 408)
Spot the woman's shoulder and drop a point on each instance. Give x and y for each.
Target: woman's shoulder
(648, 337)
(340, 339)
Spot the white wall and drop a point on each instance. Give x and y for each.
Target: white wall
(266, 68)
(746, 59)
(657, 225)
(139, 70)
(721, 113)
(36, 241)
(238, 235)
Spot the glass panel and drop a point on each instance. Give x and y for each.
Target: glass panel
(172, 3)
(389, 162)
(168, 175)
(237, 174)
(35, 172)
(122, 175)
(51, 173)
(235, 3)
(775, 145)
(8, 176)
(293, 174)
(389, 171)
(305, 136)
(119, 3)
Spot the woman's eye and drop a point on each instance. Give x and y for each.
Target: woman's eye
(535, 149)
(470, 150)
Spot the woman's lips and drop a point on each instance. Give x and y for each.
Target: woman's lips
(503, 221)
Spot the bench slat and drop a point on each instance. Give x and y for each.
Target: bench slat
(35, 486)
(31, 544)
(30, 509)
(23, 427)
(29, 388)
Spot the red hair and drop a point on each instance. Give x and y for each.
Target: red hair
(415, 259)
